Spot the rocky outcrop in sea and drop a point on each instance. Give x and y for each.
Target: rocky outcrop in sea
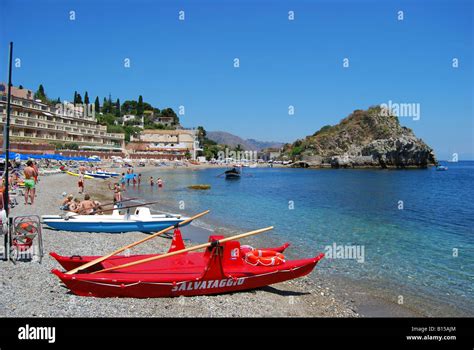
(366, 138)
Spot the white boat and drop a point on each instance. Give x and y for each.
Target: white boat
(141, 220)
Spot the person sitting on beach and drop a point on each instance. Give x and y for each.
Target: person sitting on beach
(97, 207)
(67, 202)
(87, 206)
(74, 205)
(151, 181)
(30, 174)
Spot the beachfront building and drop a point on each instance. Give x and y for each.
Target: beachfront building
(164, 144)
(269, 154)
(34, 122)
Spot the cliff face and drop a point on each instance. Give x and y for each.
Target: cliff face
(363, 139)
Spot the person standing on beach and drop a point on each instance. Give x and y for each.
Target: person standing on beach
(139, 179)
(122, 182)
(80, 183)
(117, 193)
(151, 181)
(30, 174)
(35, 166)
(159, 182)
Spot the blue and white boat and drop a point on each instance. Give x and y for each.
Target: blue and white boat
(141, 220)
(441, 168)
(97, 175)
(108, 173)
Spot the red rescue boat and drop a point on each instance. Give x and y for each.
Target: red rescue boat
(222, 268)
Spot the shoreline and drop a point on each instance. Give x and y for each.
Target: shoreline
(31, 290)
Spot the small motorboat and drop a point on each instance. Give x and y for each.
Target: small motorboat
(441, 168)
(97, 175)
(222, 268)
(108, 173)
(232, 174)
(141, 220)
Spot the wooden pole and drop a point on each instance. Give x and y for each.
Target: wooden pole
(6, 136)
(205, 245)
(102, 258)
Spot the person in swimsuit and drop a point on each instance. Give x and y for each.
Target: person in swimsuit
(67, 202)
(159, 182)
(139, 179)
(117, 193)
(30, 174)
(80, 183)
(122, 182)
(74, 206)
(151, 181)
(87, 206)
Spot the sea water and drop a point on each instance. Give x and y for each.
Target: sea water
(408, 233)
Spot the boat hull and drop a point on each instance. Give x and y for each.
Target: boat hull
(158, 282)
(98, 176)
(109, 226)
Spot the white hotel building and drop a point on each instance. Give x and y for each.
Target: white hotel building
(36, 122)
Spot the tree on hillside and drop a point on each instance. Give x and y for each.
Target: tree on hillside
(168, 112)
(129, 107)
(117, 108)
(140, 106)
(201, 134)
(78, 99)
(97, 105)
(40, 94)
(75, 97)
(86, 98)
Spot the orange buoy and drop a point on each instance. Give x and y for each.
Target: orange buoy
(264, 257)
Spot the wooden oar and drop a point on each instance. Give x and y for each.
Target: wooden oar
(102, 258)
(123, 200)
(95, 211)
(205, 245)
(127, 207)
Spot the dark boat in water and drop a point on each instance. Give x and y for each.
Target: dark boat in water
(232, 174)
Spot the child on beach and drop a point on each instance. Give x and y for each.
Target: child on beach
(134, 180)
(80, 183)
(151, 181)
(139, 179)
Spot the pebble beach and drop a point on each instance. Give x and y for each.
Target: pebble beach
(30, 290)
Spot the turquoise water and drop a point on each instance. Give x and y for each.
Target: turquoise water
(409, 251)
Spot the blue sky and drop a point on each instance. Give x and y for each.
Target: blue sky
(282, 62)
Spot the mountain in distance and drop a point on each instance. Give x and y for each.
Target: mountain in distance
(225, 138)
(365, 138)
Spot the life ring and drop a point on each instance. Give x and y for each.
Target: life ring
(24, 240)
(264, 257)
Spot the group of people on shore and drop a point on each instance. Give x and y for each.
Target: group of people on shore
(26, 177)
(85, 207)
